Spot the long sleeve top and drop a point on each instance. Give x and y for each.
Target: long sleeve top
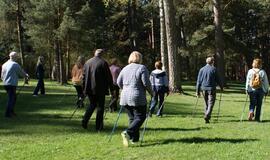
(134, 81)
(11, 71)
(159, 79)
(262, 74)
(208, 78)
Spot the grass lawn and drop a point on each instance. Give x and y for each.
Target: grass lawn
(42, 130)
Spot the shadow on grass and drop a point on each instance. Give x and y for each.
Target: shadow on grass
(197, 140)
(177, 129)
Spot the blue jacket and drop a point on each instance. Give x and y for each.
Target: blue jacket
(207, 79)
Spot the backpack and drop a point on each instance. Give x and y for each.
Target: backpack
(256, 80)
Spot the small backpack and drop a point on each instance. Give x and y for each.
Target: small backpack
(256, 80)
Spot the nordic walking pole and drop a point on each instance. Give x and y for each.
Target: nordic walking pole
(145, 123)
(73, 113)
(115, 124)
(244, 108)
(162, 105)
(261, 118)
(195, 107)
(144, 128)
(219, 105)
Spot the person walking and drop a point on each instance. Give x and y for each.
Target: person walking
(11, 71)
(115, 70)
(97, 80)
(160, 83)
(40, 76)
(77, 80)
(256, 87)
(134, 81)
(207, 81)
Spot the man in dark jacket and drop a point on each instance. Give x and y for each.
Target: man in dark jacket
(97, 80)
(207, 81)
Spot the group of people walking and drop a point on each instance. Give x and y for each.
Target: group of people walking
(96, 79)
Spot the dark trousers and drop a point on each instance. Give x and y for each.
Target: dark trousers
(256, 98)
(96, 101)
(136, 116)
(79, 90)
(114, 100)
(11, 91)
(209, 99)
(157, 95)
(40, 86)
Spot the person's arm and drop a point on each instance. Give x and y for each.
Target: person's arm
(199, 83)
(109, 77)
(145, 80)
(248, 78)
(21, 72)
(120, 80)
(265, 83)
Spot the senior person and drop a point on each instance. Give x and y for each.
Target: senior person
(134, 81)
(256, 87)
(11, 71)
(207, 81)
(97, 80)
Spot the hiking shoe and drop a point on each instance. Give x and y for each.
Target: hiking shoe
(206, 120)
(250, 116)
(125, 138)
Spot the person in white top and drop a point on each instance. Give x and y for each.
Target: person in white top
(256, 87)
(11, 71)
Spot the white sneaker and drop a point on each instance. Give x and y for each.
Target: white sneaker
(125, 137)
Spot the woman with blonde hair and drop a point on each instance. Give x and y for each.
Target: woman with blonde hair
(256, 87)
(77, 75)
(134, 81)
(40, 76)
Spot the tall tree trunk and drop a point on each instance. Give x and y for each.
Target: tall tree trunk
(163, 41)
(219, 42)
(174, 72)
(68, 59)
(63, 79)
(19, 31)
(132, 23)
(56, 70)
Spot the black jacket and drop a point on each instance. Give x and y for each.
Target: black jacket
(97, 78)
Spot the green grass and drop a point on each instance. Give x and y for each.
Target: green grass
(42, 130)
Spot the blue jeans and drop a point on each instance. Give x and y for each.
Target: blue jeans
(11, 91)
(157, 95)
(136, 115)
(256, 98)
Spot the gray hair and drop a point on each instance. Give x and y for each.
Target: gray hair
(13, 55)
(99, 52)
(210, 60)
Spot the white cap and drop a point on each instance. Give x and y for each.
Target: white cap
(12, 55)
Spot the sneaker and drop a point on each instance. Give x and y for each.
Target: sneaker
(126, 138)
(34, 95)
(250, 116)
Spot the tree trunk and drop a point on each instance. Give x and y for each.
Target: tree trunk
(68, 60)
(163, 42)
(132, 23)
(19, 31)
(174, 72)
(56, 67)
(219, 42)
